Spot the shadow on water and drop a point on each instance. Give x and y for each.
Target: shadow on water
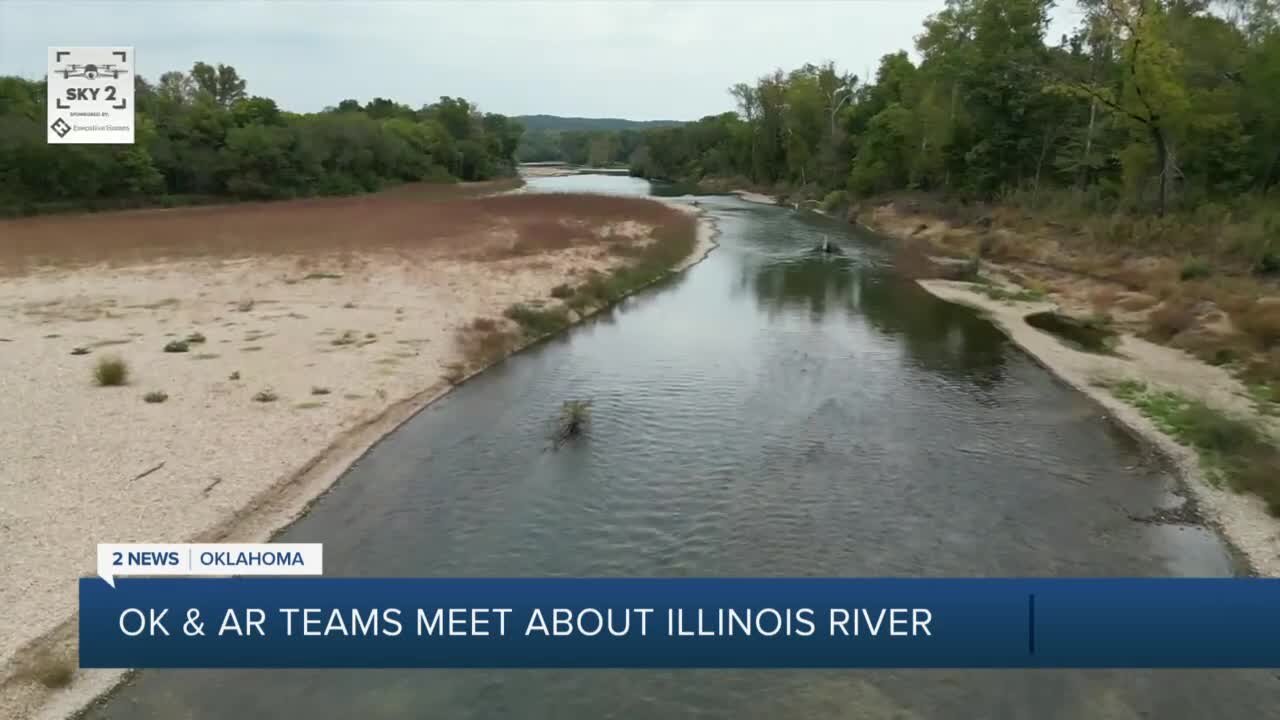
(768, 413)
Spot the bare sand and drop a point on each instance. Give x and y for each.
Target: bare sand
(346, 343)
(755, 197)
(547, 170)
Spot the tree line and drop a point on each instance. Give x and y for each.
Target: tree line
(1149, 105)
(596, 148)
(199, 134)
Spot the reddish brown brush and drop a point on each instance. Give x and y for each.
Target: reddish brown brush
(398, 220)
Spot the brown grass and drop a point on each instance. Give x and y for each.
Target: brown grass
(1175, 316)
(1262, 323)
(485, 341)
(911, 258)
(49, 670)
(1103, 299)
(487, 227)
(484, 324)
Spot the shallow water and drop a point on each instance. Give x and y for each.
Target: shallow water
(769, 412)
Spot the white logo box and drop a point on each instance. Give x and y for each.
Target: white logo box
(90, 95)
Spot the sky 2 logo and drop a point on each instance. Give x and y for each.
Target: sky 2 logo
(92, 71)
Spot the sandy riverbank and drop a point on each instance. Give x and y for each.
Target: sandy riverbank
(348, 337)
(755, 197)
(1242, 519)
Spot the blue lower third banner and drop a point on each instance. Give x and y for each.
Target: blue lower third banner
(678, 623)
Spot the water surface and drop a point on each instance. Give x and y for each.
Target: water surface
(769, 412)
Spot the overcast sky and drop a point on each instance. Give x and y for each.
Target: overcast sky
(640, 60)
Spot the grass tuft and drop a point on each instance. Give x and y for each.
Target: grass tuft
(80, 351)
(156, 396)
(176, 346)
(265, 395)
(111, 371)
(1001, 294)
(1232, 451)
(48, 670)
(195, 338)
(317, 390)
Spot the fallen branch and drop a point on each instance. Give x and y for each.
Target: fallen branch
(146, 473)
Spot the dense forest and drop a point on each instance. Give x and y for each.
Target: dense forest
(1149, 106)
(200, 135)
(582, 141)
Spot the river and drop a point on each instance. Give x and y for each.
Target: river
(770, 412)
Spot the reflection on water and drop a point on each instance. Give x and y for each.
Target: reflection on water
(767, 413)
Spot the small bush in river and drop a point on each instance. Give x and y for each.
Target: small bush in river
(176, 346)
(156, 396)
(111, 371)
(575, 416)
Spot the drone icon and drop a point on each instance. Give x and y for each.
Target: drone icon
(91, 71)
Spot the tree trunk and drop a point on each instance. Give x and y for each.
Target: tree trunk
(1162, 161)
(1044, 152)
(1088, 144)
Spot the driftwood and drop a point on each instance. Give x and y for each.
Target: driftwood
(826, 247)
(145, 473)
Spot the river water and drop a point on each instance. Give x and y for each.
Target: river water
(770, 412)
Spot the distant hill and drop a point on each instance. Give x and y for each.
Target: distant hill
(556, 122)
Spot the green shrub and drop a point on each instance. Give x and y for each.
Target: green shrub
(834, 200)
(1268, 263)
(176, 346)
(536, 322)
(111, 371)
(1195, 269)
(561, 291)
(156, 396)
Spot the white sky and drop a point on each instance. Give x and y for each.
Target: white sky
(639, 60)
